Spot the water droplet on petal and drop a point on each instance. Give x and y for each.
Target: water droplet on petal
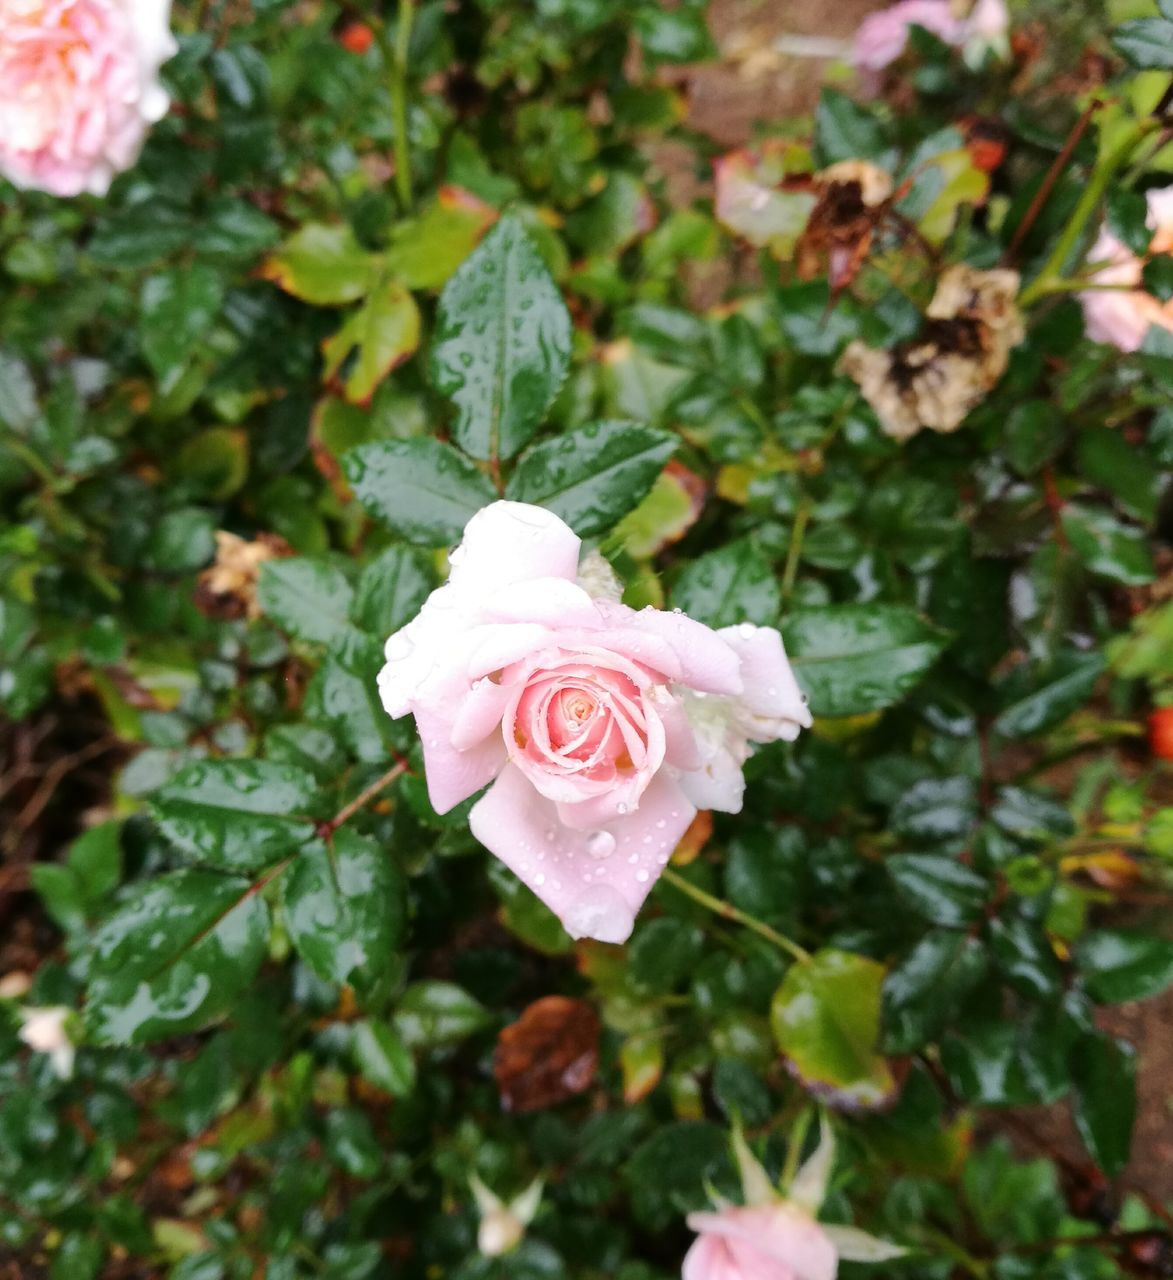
(642, 877)
(600, 844)
(539, 879)
(746, 630)
(621, 808)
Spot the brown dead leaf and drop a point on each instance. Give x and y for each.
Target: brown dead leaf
(548, 1055)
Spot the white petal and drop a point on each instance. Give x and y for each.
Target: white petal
(854, 1245)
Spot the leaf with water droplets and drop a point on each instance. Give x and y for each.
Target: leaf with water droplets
(592, 477)
(854, 658)
(310, 599)
(423, 488)
(175, 956)
(345, 909)
(502, 344)
(733, 584)
(238, 814)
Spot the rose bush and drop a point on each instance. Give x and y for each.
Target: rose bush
(415, 366)
(606, 728)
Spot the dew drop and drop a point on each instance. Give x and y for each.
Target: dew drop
(600, 844)
(642, 877)
(539, 879)
(746, 630)
(661, 825)
(621, 808)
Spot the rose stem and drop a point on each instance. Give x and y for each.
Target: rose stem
(363, 798)
(729, 912)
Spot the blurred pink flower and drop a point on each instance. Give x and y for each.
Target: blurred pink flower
(1121, 317)
(605, 728)
(881, 38)
(775, 1241)
(78, 88)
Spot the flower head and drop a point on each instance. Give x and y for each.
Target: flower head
(775, 1235)
(604, 728)
(45, 1031)
(78, 88)
(882, 36)
(503, 1223)
(1122, 316)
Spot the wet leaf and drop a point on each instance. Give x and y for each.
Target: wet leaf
(592, 477)
(345, 909)
(502, 344)
(826, 1020)
(736, 583)
(175, 956)
(323, 264)
(1124, 964)
(380, 335)
(1104, 1074)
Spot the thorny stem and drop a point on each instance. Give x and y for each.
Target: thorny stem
(327, 829)
(729, 912)
(1093, 193)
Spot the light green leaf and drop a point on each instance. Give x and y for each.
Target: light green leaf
(382, 333)
(323, 264)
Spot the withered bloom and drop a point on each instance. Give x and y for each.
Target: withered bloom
(851, 197)
(936, 379)
(227, 588)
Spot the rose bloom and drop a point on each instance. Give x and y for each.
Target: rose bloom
(776, 1241)
(881, 37)
(604, 728)
(1121, 317)
(78, 87)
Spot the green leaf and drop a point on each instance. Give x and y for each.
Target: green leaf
(1111, 463)
(381, 334)
(95, 857)
(1146, 42)
(1127, 212)
(308, 598)
(663, 954)
(179, 307)
(1067, 685)
(502, 344)
(854, 658)
(215, 462)
(238, 814)
(670, 1172)
(1103, 1071)
(383, 1058)
(345, 909)
(390, 591)
(673, 35)
(826, 1020)
(434, 1013)
(427, 249)
(1034, 435)
(348, 702)
(592, 477)
(924, 991)
(422, 488)
(1123, 964)
(736, 583)
(1107, 546)
(846, 131)
(942, 890)
(1157, 275)
(324, 265)
(175, 956)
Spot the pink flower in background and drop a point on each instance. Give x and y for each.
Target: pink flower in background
(881, 37)
(78, 88)
(604, 728)
(1121, 317)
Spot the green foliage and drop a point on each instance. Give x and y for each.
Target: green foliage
(249, 398)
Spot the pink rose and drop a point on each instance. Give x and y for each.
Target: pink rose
(881, 37)
(78, 87)
(605, 728)
(776, 1241)
(1122, 316)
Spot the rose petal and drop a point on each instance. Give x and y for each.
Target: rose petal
(710, 1258)
(781, 1231)
(771, 691)
(595, 882)
(550, 601)
(509, 542)
(706, 661)
(453, 775)
(718, 783)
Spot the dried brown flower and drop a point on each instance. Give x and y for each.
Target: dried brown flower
(227, 588)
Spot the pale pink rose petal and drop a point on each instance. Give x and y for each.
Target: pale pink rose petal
(710, 1258)
(550, 601)
(771, 691)
(509, 542)
(781, 1231)
(706, 661)
(452, 774)
(594, 881)
(881, 37)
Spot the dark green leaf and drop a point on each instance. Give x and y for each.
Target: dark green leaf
(383, 1058)
(1123, 964)
(1107, 546)
(1104, 1074)
(238, 814)
(433, 1013)
(345, 909)
(942, 890)
(422, 488)
(855, 658)
(734, 584)
(175, 956)
(924, 991)
(1065, 688)
(178, 309)
(390, 591)
(1111, 463)
(502, 344)
(308, 598)
(592, 477)
(846, 131)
